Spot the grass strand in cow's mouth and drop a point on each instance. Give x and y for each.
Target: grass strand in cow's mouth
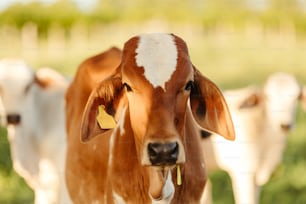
(178, 175)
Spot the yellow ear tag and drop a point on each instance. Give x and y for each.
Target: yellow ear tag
(178, 175)
(105, 120)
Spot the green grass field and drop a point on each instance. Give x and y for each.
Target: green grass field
(232, 60)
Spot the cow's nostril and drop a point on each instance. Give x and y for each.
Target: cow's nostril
(163, 153)
(285, 127)
(13, 119)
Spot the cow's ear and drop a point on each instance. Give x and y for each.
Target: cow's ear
(303, 97)
(100, 110)
(253, 99)
(209, 107)
(46, 77)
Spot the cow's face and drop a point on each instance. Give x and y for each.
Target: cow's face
(282, 93)
(158, 78)
(157, 81)
(15, 81)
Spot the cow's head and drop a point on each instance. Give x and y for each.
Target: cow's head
(282, 92)
(158, 84)
(277, 100)
(16, 82)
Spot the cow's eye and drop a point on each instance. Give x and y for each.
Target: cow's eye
(127, 87)
(27, 88)
(189, 86)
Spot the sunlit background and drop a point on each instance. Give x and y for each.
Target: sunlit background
(233, 42)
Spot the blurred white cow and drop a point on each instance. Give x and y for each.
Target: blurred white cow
(33, 112)
(262, 119)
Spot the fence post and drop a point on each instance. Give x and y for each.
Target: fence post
(29, 39)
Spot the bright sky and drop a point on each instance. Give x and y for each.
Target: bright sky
(83, 4)
(88, 4)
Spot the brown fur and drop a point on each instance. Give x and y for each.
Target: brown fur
(81, 158)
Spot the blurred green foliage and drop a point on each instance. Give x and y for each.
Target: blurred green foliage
(13, 189)
(63, 13)
(209, 12)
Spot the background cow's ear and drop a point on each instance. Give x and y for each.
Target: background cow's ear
(47, 77)
(303, 97)
(209, 107)
(252, 100)
(106, 97)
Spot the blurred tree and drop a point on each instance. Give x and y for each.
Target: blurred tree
(64, 12)
(105, 11)
(284, 4)
(211, 13)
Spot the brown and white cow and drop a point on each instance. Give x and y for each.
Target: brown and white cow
(158, 99)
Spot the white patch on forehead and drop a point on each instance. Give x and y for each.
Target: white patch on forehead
(157, 54)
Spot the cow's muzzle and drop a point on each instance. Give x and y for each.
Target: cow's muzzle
(286, 127)
(163, 154)
(13, 119)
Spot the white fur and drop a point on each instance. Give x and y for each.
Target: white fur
(260, 141)
(168, 191)
(121, 121)
(157, 54)
(38, 143)
(206, 195)
(118, 199)
(121, 129)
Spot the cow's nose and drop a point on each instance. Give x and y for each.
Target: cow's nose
(162, 154)
(13, 119)
(286, 127)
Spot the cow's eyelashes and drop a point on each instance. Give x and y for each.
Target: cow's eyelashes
(127, 87)
(189, 86)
